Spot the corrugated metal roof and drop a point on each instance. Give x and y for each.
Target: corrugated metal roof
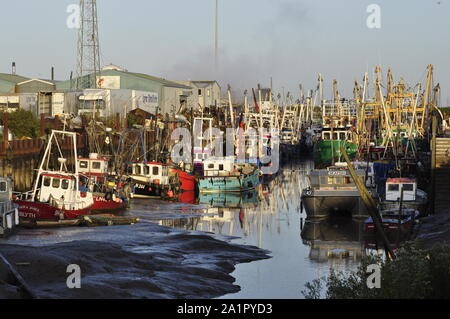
(156, 79)
(13, 78)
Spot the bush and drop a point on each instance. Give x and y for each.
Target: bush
(414, 274)
(23, 124)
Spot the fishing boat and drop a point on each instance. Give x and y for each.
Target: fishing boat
(327, 150)
(224, 175)
(9, 214)
(56, 194)
(333, 191)
(156, 180)
(412, 198)
(107, 195)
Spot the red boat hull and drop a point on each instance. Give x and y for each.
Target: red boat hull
(187, 181)
(102, 205)
(42, 211)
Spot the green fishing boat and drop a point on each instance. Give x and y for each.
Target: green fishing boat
(327, 150)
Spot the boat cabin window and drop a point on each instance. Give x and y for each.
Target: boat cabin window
(335, 136)
(408, 187)
(146, 170)
(55, 183)
(393, 187)
(155, 170)
(2, 187)
(220, 167)
(314, 180)
(47, 181)
(211, 166)
(342, 136)
(96, 165)
(137, 170)
(65, 184)
(83, 164)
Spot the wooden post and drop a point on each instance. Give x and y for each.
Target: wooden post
(370, 204)
(433, 165)
(118, 124)
(42, 125)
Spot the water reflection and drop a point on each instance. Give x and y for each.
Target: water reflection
(334, 238)
(250, 215)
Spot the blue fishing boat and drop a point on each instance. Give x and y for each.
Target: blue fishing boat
(224, 175)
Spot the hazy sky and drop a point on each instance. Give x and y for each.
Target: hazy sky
(290, 40)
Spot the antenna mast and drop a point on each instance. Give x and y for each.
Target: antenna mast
(216, 38)
(88, 46)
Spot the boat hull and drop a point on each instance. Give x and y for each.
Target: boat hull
(325, 206)
(187, 181)
(101, 204)
(147, 190)
(41, 211)
(229, 183)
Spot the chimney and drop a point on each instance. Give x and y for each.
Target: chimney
(13, 71)
(53, 73)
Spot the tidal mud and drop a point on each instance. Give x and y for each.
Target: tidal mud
(139, 261)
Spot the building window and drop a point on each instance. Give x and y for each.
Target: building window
(199, 92)
(2, 187)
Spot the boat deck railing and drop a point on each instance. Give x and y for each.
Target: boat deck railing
(23, 196)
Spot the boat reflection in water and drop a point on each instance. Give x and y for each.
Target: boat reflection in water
(344, 239)
(334, 238)
(252, 215)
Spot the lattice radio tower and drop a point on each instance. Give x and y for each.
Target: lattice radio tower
(88, 46)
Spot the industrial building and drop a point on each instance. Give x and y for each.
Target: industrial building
(119, 91)
(205, 93)
(37, 95)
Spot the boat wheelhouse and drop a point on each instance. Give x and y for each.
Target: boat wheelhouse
(9, 214)
(94, 167)
(327, 151)
(108, 196)
(333, 191)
